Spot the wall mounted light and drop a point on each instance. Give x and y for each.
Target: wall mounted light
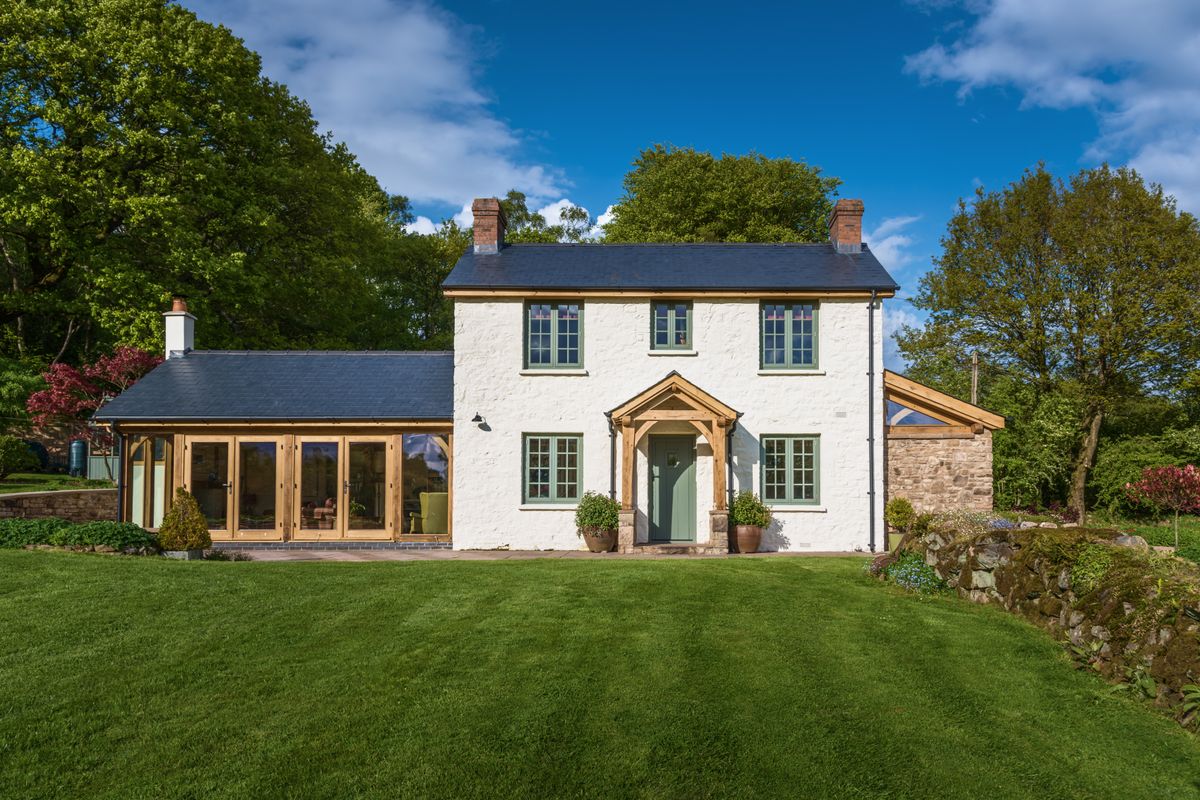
(477, 417)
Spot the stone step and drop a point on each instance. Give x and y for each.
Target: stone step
(679, 549)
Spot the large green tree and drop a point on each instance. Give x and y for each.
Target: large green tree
(143, 153)
(685, 195)
(1086, 290)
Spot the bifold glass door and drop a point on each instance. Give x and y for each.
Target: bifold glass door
(237, 484)
(344, 487)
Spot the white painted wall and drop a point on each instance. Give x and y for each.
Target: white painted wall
(832, 402)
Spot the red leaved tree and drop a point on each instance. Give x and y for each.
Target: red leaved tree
(73, 394)
(1168, 489)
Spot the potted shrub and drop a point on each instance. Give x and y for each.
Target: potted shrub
(596, 520)
(749, 516)
(184, 531)
(900, 515)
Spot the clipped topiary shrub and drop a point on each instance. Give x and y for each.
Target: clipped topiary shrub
(117, 535)
(749, 510)
(15, 456)
(596, 512)
(183, 526)
(22, 532)
(899, 514)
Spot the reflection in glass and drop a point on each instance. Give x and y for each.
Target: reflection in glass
(426, 471)
(318, 485)
(210, 481)
(149, 481)
(368, 485)
(256, 486)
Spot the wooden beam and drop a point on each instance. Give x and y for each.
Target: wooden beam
(627, 462)
(671, 414)
(718, 449)
(233, 427)
(919, 393)
(929, 432)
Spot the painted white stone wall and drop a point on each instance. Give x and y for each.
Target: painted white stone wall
(618, 364)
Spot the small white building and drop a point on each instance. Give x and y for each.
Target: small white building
(670, 376)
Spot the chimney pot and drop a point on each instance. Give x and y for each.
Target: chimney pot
(489, 225)
(180, 334)
(845, 226)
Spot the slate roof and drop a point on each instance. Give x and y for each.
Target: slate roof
(680, 267)
(228, 385)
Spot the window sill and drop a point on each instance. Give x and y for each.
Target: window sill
(572, 371)
(791, 509)
(772, 372)
(547, 507)
(671, 353)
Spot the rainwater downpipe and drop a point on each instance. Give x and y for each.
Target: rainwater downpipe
(612, 457)
(119, 447)
(729, 464)
(871, 415)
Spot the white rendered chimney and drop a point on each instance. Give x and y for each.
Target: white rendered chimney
(181, 329)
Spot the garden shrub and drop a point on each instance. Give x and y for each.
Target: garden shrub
(22, 532)
(183, 526)
(748, 509)
(597, 512)
(900, 514)
(1091, 565)
(15, 456)
(117, 535)
(911, 572)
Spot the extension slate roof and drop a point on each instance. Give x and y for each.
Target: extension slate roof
(680, 267)
(206, 385)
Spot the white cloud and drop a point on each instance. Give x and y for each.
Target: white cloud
(889, 244)
(422, 225)
(397, 80)
(552, 212)
(897, 313)
(1135, 63)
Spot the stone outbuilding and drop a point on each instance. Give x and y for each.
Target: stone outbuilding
(938, 449)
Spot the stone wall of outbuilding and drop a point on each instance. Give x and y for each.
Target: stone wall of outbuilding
(81, 505)
(941, 474)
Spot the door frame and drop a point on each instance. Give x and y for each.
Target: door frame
(236, 511)
(651, 495)
(389, 511)
(225, 533)
(341, 530)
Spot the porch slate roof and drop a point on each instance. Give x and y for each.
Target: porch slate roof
(223, 385)
(665, 267)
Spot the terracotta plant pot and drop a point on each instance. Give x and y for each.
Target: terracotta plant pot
(599, 540)
(749, 537)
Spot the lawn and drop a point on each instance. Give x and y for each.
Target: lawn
(124, 677)
(48, 482)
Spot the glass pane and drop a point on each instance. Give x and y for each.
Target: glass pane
(539, 334)
(662, 333)
(368, 485)
(210, 482)
(804, 468)
(256, 486)
(898, 414)
(681, 320)
(537, 468)
(568, 335)
(160, 481)
(774, 469)
(319, 488)
(138, 475)
(567, 468)
(425, 492)
(774, 336)
(802, 336)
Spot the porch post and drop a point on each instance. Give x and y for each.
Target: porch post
(626, 517)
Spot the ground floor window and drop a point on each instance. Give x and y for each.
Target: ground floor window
(790, 469)
(425, 493)
(150, 480)
(551, 469)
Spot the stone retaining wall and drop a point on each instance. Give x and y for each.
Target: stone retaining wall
(1135, 617)
(74, 505)
(941, 474)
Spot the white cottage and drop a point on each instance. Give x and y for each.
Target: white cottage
(670, 376)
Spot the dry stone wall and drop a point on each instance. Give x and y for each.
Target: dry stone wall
(941, 474)
(81, 505)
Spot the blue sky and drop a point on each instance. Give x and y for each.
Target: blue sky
(912, 104)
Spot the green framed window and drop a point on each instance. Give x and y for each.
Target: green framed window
(789, 335)
(552, 467)
(553, 335)
(670, 326)
(791, 469)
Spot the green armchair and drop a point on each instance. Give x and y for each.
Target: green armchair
(434, 516)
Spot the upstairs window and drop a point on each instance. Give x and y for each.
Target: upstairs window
(553, 335)
(789, 335)
(670, 326)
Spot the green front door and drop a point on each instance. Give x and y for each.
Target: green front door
(672, 488)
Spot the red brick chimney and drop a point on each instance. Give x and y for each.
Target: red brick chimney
(489, 225)
(845, 226)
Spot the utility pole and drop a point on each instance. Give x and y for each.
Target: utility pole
(975, 378)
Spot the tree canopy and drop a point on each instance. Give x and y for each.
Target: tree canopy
(1082, 293)
(684, 195)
